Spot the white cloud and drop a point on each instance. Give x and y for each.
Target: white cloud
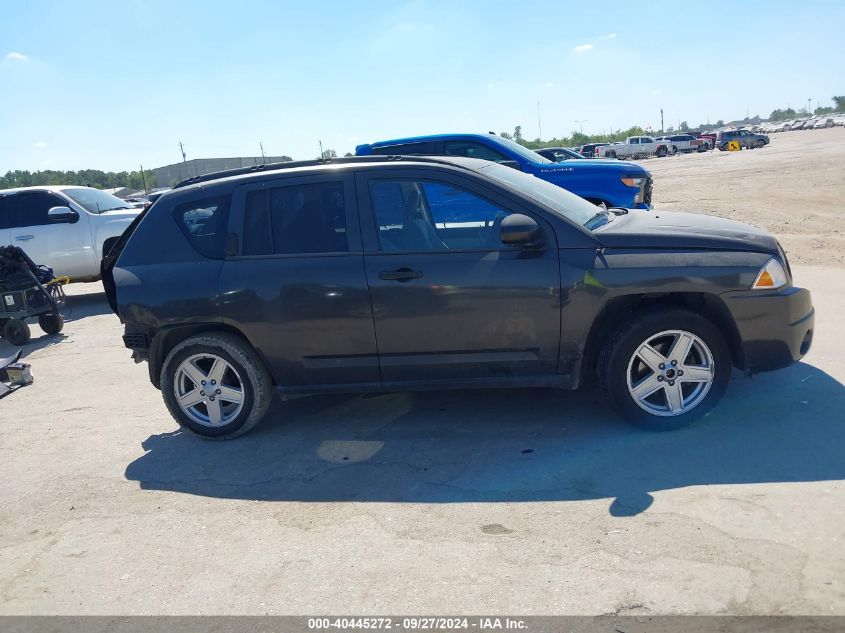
(547, 84)
(14, 56)
(583, 48)
(609, 36)
(655, 92)
(40, 144)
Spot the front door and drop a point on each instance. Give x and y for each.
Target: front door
(450, 301)
(296, 286)
(66, 247)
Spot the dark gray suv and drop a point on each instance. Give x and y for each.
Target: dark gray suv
(745, 138)
(401, 273)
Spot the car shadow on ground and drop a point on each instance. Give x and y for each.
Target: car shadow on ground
(39, 340)
(509, 446)
(80, 306)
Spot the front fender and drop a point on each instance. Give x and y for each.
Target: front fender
(104, 228)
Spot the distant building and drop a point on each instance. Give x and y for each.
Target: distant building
(169, 175)
(122, 192)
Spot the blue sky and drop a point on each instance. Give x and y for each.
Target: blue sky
(110, 85)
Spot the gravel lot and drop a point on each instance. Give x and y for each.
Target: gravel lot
(532, 502)
(794, 188)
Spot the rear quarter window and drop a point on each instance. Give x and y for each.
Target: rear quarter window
(203, 223)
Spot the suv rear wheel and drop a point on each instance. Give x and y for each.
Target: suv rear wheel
(665, 369)
(215, 386)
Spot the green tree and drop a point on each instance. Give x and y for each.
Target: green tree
(840, 103)
(517, 134)
(683, 127)
(329, 153)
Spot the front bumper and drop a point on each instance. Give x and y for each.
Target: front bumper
(775, 328)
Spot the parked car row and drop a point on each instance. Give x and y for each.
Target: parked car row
(810, 123)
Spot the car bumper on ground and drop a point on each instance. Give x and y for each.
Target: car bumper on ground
(776, 329)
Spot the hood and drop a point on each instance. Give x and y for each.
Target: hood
(599, 165)
(663, 229)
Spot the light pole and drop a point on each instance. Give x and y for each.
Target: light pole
(581, 124)
(808, 106)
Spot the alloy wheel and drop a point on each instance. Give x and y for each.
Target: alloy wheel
(209, 390)
(670, 373)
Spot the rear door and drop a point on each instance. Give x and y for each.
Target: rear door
(294, 282)
(450, 301)
(67, 246)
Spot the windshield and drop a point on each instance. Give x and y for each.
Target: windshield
(565, 204)
(95, 200)
(519, 150)
(564, 153)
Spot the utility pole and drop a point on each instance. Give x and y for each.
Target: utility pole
(263, 159)
(321, 148)
(661, 120)
(581, 124)
(539, 125)
(184, 158)
(144, 180)
(808, 105)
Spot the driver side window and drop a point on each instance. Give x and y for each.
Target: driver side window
(433, 216)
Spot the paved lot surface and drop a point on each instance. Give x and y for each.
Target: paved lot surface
(529, 501)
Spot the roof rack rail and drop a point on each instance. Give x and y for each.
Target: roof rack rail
(240, 171)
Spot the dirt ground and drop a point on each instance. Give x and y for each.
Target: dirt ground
(794, 188)
(507, 502)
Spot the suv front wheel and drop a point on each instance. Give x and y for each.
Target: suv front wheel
(215, 386)
(665, 369)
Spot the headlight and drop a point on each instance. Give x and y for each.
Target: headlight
(772, 275)
(633, 182)
(639, 183)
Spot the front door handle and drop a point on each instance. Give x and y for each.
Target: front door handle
(400, 274)
(24, 238)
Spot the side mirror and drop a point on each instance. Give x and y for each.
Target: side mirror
(62, 215)
(520, 230)
(511, 163)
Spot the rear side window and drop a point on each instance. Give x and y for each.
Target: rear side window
(404, 149)
(204, 224)
(296, 219)
(471, 149)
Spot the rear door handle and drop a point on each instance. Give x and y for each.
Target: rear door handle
(400, 274)
(24, 238)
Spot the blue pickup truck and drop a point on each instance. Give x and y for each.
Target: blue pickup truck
(614, 183)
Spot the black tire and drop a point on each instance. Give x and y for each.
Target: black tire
(723, 147)
(661, 151)
(760, 143)
(16, 332)
(610, 154)
(51, 323)
(614, 359)
(257, 385)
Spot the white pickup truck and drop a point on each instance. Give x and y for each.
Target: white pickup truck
(635, 147)
(685, 143)
(64, 227)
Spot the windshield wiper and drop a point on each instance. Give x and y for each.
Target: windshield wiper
(115, 209)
